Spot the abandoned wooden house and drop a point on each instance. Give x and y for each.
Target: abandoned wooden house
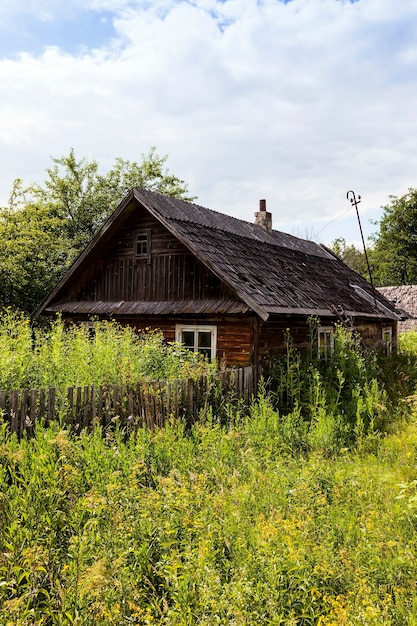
(228, 288)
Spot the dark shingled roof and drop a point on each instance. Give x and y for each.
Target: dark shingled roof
(270, 272)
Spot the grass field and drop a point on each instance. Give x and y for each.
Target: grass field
(299, 516)
(214, 526)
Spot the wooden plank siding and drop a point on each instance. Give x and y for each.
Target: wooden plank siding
(246, 340)
(235, 336)
(272, 334)
(371, 333)
(170, 273)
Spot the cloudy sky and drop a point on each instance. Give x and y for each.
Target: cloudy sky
(293, 101)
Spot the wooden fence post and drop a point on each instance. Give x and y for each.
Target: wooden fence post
(51, 403)
(150, 402)
(42, 403)
(14, 410)
(33, 396)
(23, 411)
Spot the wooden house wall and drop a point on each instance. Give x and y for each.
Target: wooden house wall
(235, 336)
(272, 334)
(371, 332)
(245, 340)
(171, 273)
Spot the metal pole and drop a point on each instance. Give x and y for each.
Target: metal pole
(355, 203)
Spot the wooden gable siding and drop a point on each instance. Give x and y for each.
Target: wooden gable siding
(170, 273)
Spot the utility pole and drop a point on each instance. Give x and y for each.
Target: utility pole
(354, 202)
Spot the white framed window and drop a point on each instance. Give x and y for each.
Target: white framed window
(325, 341)
(387, 339)
(198, 338)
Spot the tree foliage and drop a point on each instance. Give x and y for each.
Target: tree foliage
(352, 256)
(83, 198)
(45, 226)
(394, 255)
(34, 251)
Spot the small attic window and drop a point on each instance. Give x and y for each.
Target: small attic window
(143, 244)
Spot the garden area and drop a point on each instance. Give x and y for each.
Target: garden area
(297, 507)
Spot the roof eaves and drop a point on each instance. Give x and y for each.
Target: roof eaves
(335, 313)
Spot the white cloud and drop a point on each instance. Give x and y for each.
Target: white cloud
(295, 102)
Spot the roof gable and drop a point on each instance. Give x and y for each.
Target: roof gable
(271, 273)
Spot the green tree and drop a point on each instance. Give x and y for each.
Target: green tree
(394, 254)
(83, 198)
(34, 251)
(350, 255)
(45, 226)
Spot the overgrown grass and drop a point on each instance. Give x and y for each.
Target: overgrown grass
(408, 342)
(219, 525)
(107, 354)
(298, 510)
(352, 396)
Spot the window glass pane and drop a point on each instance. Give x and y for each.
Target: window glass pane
(326, 338)
(142, 244)
(187, 339)
(200, 339)
(204, 339)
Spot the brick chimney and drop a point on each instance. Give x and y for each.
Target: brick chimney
(263, 218)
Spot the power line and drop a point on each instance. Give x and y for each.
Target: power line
(334, 220)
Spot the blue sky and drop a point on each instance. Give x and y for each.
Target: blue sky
(296, 102)
(72, 31)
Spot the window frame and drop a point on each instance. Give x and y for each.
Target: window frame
(324, 349)
(387, 330)
(196, 328)
(146, 234)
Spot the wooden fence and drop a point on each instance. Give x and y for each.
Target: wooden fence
(149, 403)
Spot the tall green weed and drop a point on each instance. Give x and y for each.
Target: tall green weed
(108, 353)
(347, 398)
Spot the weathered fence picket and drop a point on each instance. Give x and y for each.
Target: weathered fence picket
(149, 404)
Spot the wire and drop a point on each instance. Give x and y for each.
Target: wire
(335, 220)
